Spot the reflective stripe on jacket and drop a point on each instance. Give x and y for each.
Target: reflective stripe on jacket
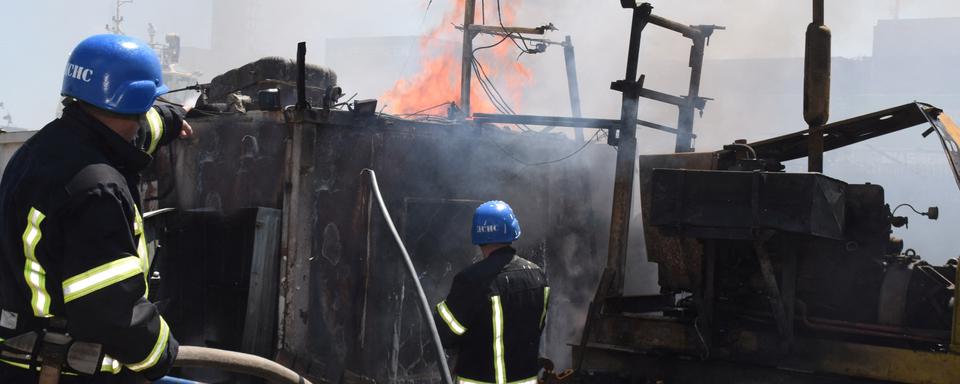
(72, 239)
(493, 317)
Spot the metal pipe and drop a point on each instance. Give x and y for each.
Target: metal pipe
(818, 17)
(573, 84)
(839, 326)
(428, 313)
(685, 30)
(302, 75)
(816, 85)
(466, 64)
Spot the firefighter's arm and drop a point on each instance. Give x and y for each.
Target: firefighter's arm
(164, 123)
(455, 314)
(104, 285)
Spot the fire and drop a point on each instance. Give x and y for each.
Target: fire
(438, 80)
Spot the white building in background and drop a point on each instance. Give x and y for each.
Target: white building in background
(10, 142)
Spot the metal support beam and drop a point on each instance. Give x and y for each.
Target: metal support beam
(496, 30)
(466, 64)
(302, 76)
(626, 157)
(692, 101)
(558, 121)
(573, 84)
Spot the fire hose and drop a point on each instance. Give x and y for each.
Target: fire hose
(428, 313)
(74, 355)
(200, 357)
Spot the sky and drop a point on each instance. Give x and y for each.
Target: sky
(38, 35)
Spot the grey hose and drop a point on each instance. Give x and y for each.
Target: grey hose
(190, 356)
(441, 357)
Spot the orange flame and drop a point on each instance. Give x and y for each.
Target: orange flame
(438, 80)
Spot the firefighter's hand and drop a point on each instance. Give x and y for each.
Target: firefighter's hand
(186, 131)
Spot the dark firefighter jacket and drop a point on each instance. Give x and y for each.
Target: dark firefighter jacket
(72, 243)
(493, 317)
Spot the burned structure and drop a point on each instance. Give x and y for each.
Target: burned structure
(317, 281)
(765, 275)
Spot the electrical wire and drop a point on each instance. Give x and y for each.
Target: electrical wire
(908, 206)
(483, 75)
(510, 155)
(483, 11)
(524, 48)
(427, 109)
(497, 99)
(505, 37)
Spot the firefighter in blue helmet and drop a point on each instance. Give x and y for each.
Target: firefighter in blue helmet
(73, 257)
(497, 307)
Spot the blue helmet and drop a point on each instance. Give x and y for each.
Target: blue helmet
(116, 73)
(494, 222)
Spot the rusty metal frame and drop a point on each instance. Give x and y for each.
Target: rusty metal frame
(846, 132)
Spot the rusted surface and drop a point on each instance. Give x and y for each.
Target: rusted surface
(678, 258)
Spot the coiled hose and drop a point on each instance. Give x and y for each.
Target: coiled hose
(427, 312)
(190, 356)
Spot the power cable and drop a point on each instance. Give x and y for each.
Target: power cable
(483, 12)
(524, 48)
(427, 109)
(499, 102)
(510, 155)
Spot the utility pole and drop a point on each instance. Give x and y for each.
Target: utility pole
(466, 65)
(471, 30)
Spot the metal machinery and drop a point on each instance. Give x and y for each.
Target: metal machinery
(771, 276)
(779, 277)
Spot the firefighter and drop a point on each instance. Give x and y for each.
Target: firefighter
(497, 307)
(74, 263)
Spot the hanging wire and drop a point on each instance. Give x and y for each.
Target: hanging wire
(574, 153)
(427, 109)
(524, 48)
